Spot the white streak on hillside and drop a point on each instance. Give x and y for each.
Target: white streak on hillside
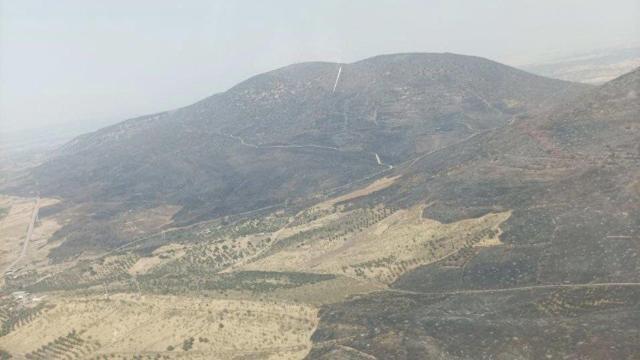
(335, 85)
(378, 159)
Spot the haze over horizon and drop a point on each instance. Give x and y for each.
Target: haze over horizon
(70, 62)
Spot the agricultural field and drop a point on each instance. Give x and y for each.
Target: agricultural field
(87, 273)
(13, 227)
(15, 217)
(182, 293)
(124, 326)
(380, 244)
(249, 287)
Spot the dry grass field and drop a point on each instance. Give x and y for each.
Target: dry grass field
(13, 227)
(158, 257)
(13, 230)
(383, 250)
(123, 326)
(136, 223)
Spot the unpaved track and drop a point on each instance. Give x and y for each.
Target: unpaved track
(27, 240)
(285, 146)
(513, 289)
(297, 146)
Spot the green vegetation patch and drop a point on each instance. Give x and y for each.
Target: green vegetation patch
(254, 281)
(579, 301)
(88, 273)
(69, 346)
(4, 211)
(19, 316)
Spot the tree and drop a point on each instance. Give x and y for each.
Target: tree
(187, 344)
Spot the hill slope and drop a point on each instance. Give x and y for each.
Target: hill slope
(518, 241)
(562, 280)
(289, 134)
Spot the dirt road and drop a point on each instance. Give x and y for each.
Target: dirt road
(27, 240)
(522, 288)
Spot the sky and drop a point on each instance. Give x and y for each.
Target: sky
(77, 63)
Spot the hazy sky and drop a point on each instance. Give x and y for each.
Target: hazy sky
(85, 60)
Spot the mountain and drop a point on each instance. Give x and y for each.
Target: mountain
(485, 214)
(283, 136)
(561, 278)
